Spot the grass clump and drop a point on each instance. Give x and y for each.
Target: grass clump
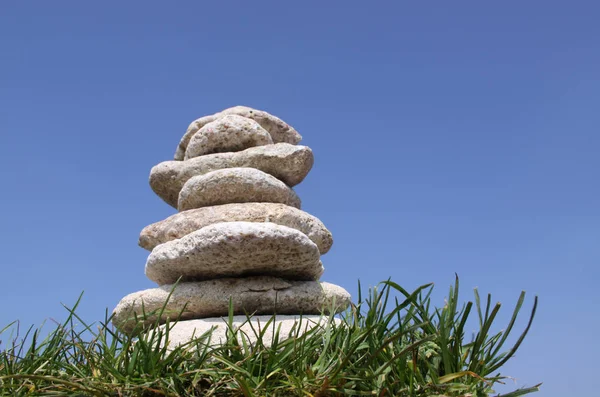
(391, 343)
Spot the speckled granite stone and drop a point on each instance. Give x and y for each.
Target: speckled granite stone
(288, 163)
(287, 326)
(230, 133)
(235, 249)
(186, 222)
(235, 185)
(277, 128)
(250, 295)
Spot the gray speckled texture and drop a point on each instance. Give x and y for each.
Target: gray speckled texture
(251, 295)
(277, 128)
(235, 185)
(234, 249)
(288, 163)
(186, 222)
(229, 133)
(288, 326)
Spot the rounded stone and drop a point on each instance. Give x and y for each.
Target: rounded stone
(186, 222)
(235, 185)
(213, 332)
(236, 249)
(230, 133)
(277, 128)
(288, 163)
(211, 298)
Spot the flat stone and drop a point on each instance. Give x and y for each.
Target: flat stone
(236, 249)
(288, 163)
(230, 133)
(235, 185)
(247, 328)
(186, 222)
(211, 298)
(277, 128)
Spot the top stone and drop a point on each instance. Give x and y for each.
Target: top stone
(231, 133)
(277, 128)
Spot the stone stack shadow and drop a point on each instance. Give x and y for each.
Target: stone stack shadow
(239, 237)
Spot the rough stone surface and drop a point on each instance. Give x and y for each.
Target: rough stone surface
(186, 222)
(280, 131)
(277, 128)
(288, 163)
(234, 249)
(230, 133)
(189, 133)
(251, 295)
(288, 326)
(235, 185)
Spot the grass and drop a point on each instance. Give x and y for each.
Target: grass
(391, 343)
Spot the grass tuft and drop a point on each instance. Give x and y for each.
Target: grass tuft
(391, 343)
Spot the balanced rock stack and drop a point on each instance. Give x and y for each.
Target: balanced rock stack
(239, 236)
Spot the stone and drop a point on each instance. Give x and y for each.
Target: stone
(246, 328)
(235, 185)
(189, 133)
(235, 249)
(280, 131)
(186, 222)
(211, 298)
(288, 163)
(230, 133)
(277, 128)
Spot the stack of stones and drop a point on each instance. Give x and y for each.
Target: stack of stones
(239, 237)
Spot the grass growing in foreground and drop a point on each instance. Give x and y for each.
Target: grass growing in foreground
(391, 343)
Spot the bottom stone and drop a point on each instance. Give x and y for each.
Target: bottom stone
(249, 329)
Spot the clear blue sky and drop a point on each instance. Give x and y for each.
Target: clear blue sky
(449, 137)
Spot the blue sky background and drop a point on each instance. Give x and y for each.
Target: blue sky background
(449, 137)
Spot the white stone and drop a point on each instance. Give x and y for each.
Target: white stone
(235, 185)
(186, 222)
(230, 133)
(248, 329)
(288, 163)
(236, 249)
(277, 128)
(211, 298)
